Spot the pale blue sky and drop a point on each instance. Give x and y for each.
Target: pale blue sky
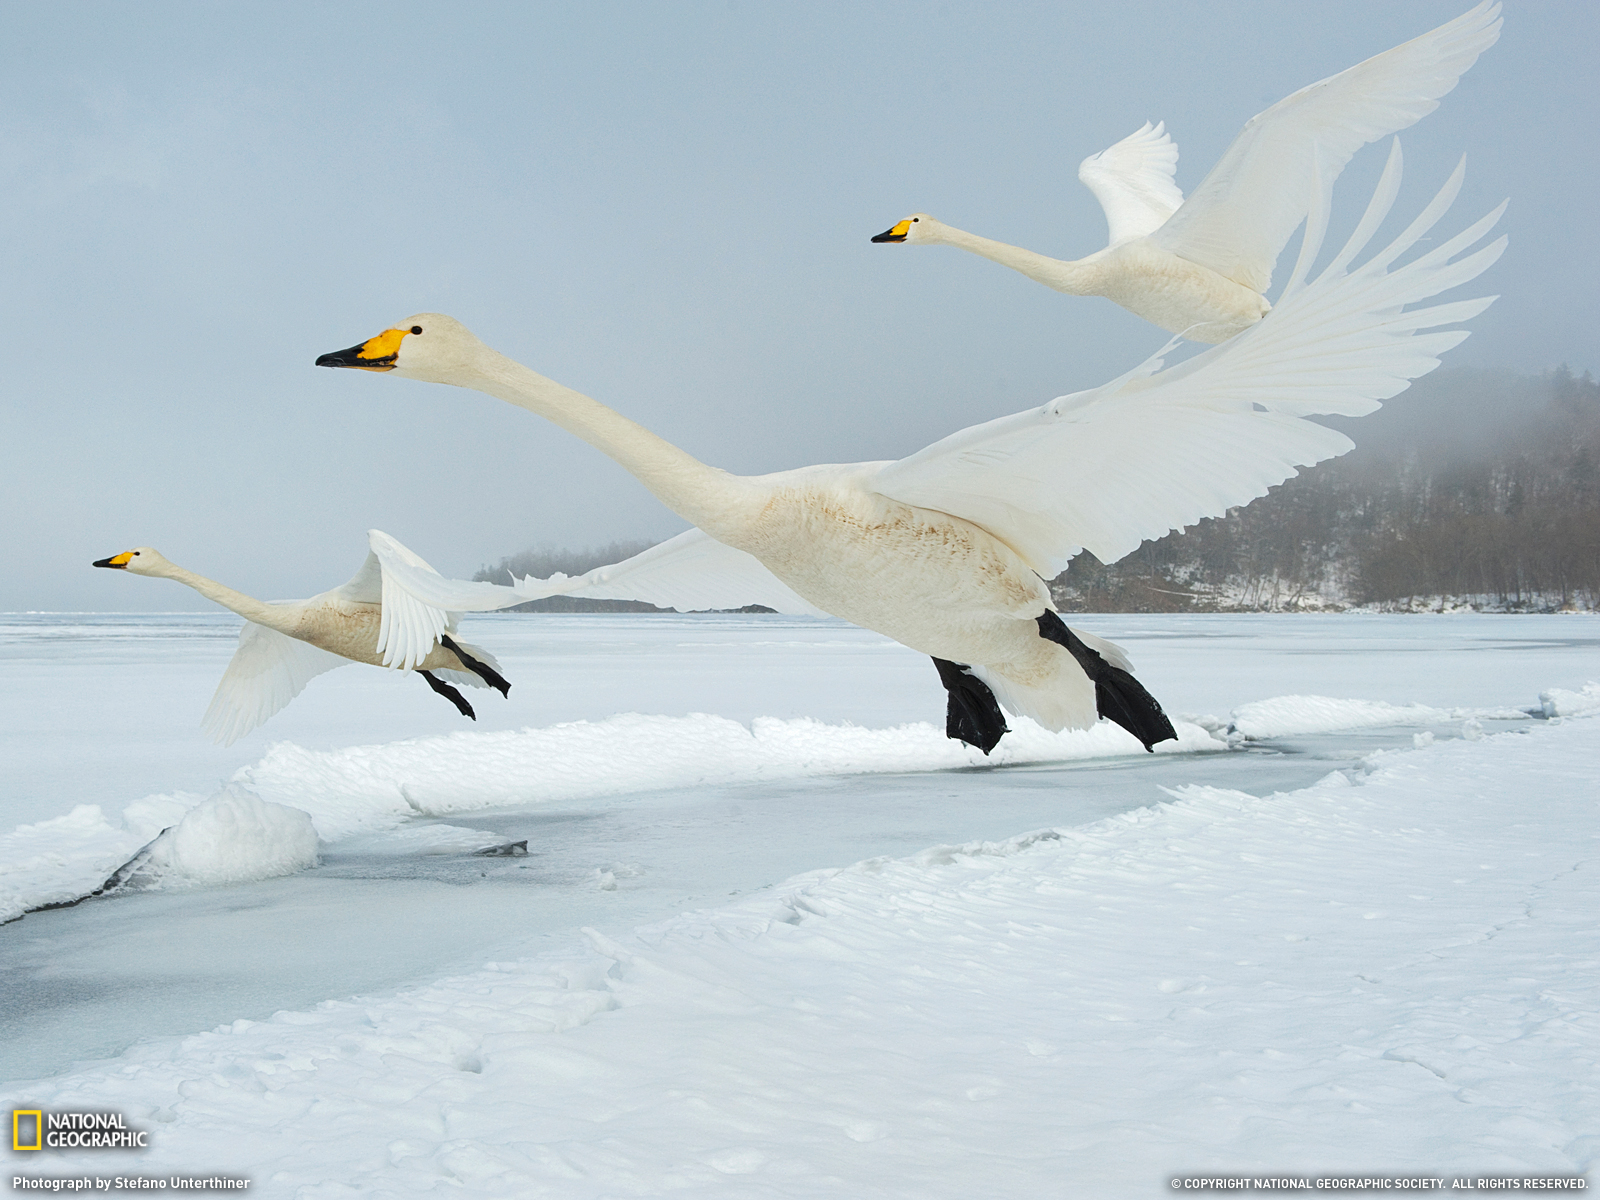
(666, 206)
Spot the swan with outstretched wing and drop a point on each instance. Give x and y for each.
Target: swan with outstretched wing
(286, 643)
(1198, 267)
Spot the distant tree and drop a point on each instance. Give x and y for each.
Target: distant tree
(1471, 484)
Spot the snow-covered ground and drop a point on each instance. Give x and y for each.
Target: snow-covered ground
(1232, 957)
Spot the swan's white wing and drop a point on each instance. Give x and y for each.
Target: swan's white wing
(1133, 182)
(690, 572)
(1157, 450)
(1239, 218)
(411, 625)
(268, 670)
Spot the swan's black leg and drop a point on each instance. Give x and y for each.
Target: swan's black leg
(482, 670)
(972, 714)
(1118, 696)
(449, 693)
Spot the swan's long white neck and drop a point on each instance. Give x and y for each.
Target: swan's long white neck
(1076, 278)
(704, 495)
(273, 616)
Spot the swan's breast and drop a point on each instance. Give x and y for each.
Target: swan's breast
(340, 627)
(931, 581)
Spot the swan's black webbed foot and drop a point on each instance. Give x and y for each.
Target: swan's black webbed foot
(972, 714)
(482, 670)
(1118, 696)
(449, 693)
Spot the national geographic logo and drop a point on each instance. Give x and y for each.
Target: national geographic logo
(37, 1129)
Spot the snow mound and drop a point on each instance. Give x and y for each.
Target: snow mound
(1285, 715)
(1558, 702)
(361, 789)
(234, 837)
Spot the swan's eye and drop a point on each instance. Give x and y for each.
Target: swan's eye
(416, 329)
(914, 220)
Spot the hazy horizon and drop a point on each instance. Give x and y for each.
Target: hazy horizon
(667, 208)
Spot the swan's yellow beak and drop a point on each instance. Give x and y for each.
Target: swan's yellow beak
(118, 561)
(897, 234)
(374, 354)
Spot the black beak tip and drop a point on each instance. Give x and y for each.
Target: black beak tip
(328, 360)
(106, 562)
(888, 235)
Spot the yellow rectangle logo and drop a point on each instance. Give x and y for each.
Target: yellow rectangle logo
(21, 1118)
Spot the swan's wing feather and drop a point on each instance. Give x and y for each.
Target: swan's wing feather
(268, 670)
(690, 572)
(1158, 449)
(1239, 218)
(365, 586)
(413, 620)
(1133, 182)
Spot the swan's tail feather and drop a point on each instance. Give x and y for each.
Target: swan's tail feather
(1118, 696)
(973, 714)
(484, 670)
(450, 694)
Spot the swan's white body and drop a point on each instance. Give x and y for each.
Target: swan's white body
(1198, 267)
(947, 551)
(287, 643)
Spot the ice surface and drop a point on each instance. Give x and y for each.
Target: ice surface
(1393, 967)
(105, 709)
(995, 1015)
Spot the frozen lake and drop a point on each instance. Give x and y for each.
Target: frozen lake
(103, 710)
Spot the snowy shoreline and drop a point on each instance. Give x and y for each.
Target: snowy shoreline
(1395, 970)
(1266, 973)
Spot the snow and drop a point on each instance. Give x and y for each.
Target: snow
(1354, 935)
(234, 837)
(1395, 968)
(1283, 715)
(160, 842)
(365, 787)
(1559, 702)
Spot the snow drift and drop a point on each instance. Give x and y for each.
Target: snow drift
(362, 788)
(234, 837)
(1285, 716)
(1559, 702)
(1394, 967)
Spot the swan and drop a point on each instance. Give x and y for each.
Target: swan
(285, 643)
(947, 551)
(1198, 267)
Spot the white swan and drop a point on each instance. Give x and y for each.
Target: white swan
(947, 551)
(285, 643)
(1198, 266)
